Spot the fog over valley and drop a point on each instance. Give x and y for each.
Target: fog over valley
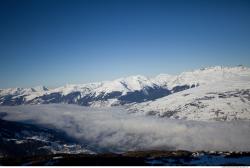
(115, 130)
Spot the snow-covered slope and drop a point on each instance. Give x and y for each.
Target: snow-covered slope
(227, 99)
(133, 89)
(202, 76)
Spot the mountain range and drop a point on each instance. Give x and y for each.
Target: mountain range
(213, 93)
(162, 105)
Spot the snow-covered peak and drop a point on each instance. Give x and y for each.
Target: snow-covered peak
(84, 88)
(206, 75)
(162, 79)
(137, 82)
(124, 85)
(16, 91)
(22, 91)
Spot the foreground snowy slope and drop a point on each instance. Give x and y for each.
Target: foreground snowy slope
(133, 89)
(220, 100)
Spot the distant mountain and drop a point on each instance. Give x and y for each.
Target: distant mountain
(133, 89)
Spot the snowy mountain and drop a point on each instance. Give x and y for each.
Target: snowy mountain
(117, 92)
(133, 89)
(208, 94)
(223, 94)
(202, 76)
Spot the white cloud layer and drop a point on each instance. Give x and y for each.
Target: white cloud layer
(114, 130)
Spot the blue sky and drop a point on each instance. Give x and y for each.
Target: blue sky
(54, 42)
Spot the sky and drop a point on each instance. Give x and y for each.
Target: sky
(57, 42)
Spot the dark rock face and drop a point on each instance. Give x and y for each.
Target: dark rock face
(104, 96)
(52, 98)
(11, 100)
(71, 98)
(181, 88)
(144, 95)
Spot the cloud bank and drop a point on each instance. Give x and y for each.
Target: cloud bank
(114, 130)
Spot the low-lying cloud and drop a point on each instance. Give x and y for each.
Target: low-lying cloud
(114, 130)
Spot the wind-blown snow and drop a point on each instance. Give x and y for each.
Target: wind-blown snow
(113, 129)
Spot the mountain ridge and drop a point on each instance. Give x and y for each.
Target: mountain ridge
(131, 89)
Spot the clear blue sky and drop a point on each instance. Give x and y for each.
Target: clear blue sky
(54, 42)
